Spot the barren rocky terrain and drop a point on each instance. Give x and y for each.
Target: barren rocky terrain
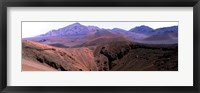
(116, 56)
(89, 48)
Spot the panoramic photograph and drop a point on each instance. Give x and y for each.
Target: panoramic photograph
(99, 46)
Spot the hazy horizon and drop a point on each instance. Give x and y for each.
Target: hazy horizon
(31, 29)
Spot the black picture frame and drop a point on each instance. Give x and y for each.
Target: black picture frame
(100, 3)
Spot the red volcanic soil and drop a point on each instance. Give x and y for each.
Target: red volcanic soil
(34, 66)
(105, 40)
(112, 56)
(72, 59)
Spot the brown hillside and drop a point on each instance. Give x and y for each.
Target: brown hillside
(72, 59)
(128, 56)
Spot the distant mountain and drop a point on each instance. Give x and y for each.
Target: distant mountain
(77, 34)
(172, 29)
(165, 35)
(118, 30)
(147, 30)
(142, 29)
(75, 29)
(78, 30)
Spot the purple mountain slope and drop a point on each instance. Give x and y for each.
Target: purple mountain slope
(147, 30)
(142, 29)
(118, 30)
(172, 29)
(165, 35)
(75, 29)
(93, 28)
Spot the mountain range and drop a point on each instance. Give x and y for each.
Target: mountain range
(77, 34)
(78, 29)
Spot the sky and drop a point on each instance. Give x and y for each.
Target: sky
(31, 29)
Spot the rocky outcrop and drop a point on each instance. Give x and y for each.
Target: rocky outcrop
(129, 56)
